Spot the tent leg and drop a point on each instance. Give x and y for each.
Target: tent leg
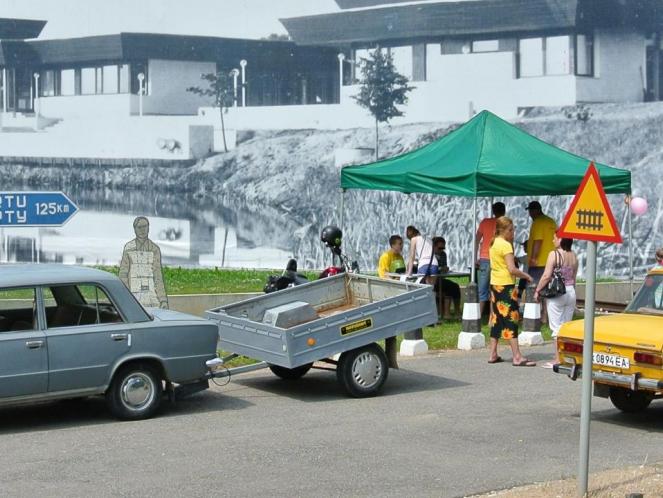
(470, 336)
(341, 209)
(473, 267)
(630, 248)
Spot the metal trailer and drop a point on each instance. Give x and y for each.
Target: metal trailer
(350, 312)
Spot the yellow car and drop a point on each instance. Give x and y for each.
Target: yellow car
(628, 349)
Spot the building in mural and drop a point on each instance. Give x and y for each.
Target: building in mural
(124, 96)
(501, 55)
(104, 74)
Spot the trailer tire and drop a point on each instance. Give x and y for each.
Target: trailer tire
(290, 373)
(363, 371)
(629, 401)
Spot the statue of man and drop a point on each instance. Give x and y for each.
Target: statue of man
(140, 268)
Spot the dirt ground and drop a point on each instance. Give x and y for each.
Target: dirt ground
(616, 483)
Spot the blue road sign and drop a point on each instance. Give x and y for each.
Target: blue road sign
(35, 209)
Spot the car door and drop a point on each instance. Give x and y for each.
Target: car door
(86, 334)
(23, 347)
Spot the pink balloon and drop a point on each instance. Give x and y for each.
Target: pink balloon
(638, 206)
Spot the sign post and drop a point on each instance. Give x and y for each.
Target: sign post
(35, 209)
(589, 218)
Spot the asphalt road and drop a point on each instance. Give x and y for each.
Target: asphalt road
(446, 425)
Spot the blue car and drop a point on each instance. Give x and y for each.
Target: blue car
(71, 332)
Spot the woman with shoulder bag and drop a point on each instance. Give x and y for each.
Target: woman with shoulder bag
(562, 261)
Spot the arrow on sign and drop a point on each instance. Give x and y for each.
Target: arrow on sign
(35, 209)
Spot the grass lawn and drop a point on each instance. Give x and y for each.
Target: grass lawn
(445, 335)
(213, 280)
(219, 281)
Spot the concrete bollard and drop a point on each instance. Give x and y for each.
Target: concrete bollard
(471, 336)
(413, 343)
(531, 334)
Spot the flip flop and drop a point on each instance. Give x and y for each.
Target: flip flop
(525, 363)
(549, 365)
(496, 360)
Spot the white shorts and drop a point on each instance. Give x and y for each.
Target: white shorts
(560, 309)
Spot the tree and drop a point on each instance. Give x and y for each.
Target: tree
(276, 37)
(382, 88)
(220, 88)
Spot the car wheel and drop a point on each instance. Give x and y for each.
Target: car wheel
(363, 371)
(629, 401)
(290, 373)
(135, 392)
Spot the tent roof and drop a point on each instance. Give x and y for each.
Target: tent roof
(486, 157)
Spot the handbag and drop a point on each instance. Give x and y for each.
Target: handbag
(555, 286)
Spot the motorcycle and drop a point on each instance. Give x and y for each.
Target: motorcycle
(332, 237)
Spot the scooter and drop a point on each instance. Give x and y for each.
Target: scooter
(331, 236)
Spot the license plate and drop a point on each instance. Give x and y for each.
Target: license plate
(610, 360)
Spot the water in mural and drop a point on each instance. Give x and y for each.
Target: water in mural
(193, 232)
(214, 230)
(189, 231)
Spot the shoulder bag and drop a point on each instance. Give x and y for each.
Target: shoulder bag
(555, 286)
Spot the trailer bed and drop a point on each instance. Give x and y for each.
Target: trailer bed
(352, 311)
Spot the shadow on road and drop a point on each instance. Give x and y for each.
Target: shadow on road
(650, 420)
(321, 386)
(64, 414)
(54, 415)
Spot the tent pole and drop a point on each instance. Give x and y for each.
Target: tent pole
(341, 209)
(473, 267)
(630, 247)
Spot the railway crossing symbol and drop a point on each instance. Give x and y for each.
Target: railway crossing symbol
(590, 216)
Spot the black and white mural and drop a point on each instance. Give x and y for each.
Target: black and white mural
(267, 198)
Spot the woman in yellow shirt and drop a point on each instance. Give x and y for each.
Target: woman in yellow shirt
(504, 311)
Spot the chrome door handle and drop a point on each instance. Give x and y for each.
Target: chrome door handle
(119, 337)
(34, 344)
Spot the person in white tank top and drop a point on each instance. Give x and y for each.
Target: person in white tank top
(421, 249)
(560, 309)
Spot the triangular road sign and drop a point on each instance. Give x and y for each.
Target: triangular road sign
(590, 216)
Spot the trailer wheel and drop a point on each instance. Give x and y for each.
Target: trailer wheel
(363, 371)
(629, 401)
(290, 373)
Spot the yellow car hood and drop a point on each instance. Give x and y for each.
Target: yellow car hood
(625, 329)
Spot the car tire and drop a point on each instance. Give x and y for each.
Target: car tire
(135, 392)
(363, 371)
(629, 401)
(290, 373)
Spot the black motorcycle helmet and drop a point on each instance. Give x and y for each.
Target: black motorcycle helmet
(331, 235)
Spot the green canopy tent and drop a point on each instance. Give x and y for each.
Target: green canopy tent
(485, 157)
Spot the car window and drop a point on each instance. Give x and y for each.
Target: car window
(649, 299)
(78, 305)
(17, 309)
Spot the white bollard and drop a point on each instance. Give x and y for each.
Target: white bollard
(413, 343)
(471, 336)
(531, 334)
